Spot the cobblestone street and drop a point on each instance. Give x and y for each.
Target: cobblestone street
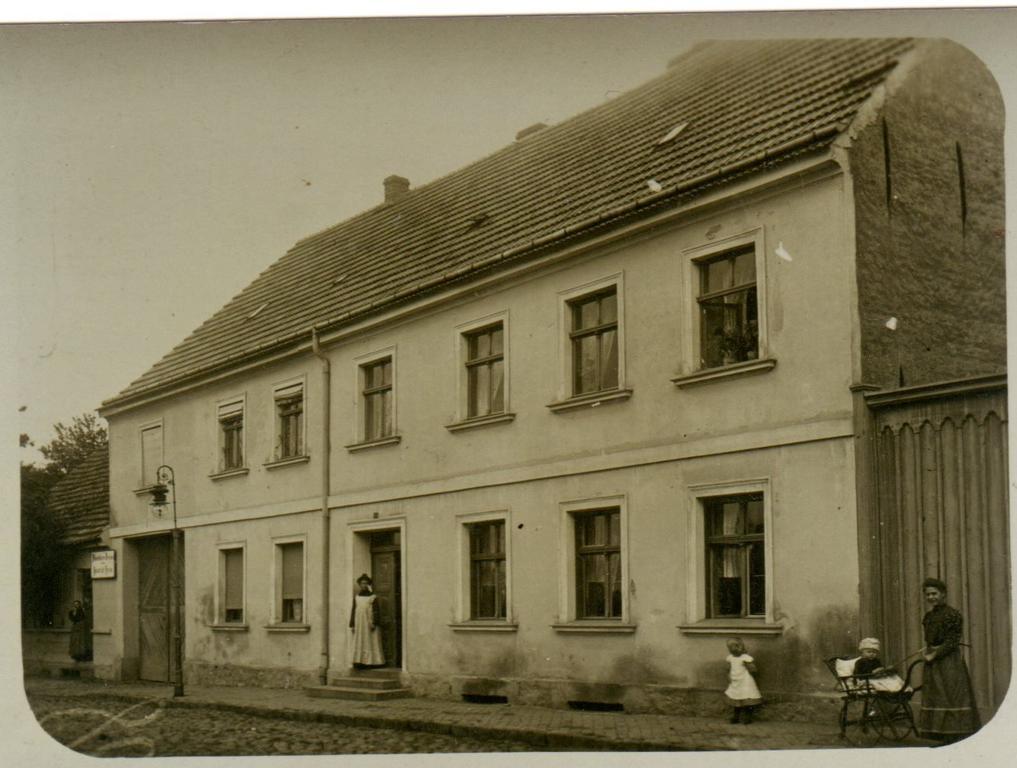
(108, 726)
(143, 719)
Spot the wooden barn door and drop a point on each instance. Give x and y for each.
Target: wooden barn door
(941, 510)
(153, 608)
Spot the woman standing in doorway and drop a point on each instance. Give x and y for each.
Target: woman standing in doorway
(948, 703)
(365, 621)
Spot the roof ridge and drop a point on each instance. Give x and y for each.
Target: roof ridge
(743, 100)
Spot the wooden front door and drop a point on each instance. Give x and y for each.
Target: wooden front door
(153, 608)
(386, 572)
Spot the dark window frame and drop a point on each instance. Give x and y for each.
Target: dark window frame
(578, 332)
(232, 615)
(369, 392)
(475, 531)
(231, 430)
(742, 545)
(476, 362)
(736, 340)
(288, 613)
(289, 411)
(585, 553)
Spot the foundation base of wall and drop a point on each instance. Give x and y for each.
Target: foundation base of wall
(652, 699)
(204, 673)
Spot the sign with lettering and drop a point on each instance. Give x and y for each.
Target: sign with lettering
(104, 564)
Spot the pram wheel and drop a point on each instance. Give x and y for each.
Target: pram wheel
(861, 722)
(895, 722)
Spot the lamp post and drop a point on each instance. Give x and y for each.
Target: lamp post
(164, 484)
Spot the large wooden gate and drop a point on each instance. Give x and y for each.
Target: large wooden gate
(154, 608)
(941, 509)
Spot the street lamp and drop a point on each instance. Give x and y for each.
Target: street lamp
(164, 484)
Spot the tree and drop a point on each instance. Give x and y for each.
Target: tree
(75, 442)
(44, 555)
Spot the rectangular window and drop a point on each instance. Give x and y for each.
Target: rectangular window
(231, 435)
(377, 399)
(485, 371)
(598, 564)
(487, 569)
(233, 585)
(151, 454)
(728, 308)
(735, 556)
(291, 582)
(289, 411)
(594, 338)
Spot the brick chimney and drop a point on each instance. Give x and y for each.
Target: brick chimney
(395, 188)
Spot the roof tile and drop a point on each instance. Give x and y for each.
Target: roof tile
(740, 99)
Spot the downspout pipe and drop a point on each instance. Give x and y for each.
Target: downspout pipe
(326, 470)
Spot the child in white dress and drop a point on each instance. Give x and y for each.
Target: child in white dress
(742, 693)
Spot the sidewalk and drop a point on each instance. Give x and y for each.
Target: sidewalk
(537, 726)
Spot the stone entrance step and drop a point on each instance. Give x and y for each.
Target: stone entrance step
(362, 685)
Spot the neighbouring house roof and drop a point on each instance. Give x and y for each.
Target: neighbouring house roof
(81, 500)
(720, 111)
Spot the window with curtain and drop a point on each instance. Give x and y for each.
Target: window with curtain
(289, 410)
(487, 569)
(728, 309)
(231, 436)
(485, 371)
(736, 563)
(377, 399)
(594, 339)
(598, 564)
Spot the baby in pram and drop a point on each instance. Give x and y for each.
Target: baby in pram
(870, 668)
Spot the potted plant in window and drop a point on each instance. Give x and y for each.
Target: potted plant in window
(739, 344)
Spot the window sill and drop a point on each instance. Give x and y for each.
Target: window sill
(591, 400)
(731, 626)
(236, 472)
(363, 446)
(725, 372)
(480, 421)
(595, 627)
(47, 630)
(484, 626)
(294, 627)
(229, 627)
(288, 461)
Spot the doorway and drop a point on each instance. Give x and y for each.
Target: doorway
(386, 571)
(153, 608)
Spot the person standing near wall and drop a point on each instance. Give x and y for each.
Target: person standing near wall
(948, 703)
(81, 632)
(365, 623)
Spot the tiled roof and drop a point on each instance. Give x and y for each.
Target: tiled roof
(81, 500)
(745, 105)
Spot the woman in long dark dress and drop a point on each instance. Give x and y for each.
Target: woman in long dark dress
(948, 702)
(81, 633)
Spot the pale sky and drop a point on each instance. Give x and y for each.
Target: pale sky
(151, 171)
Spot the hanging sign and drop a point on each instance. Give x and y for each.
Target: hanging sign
(104, 564)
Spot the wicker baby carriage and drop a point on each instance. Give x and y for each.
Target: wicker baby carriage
(869, 715)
